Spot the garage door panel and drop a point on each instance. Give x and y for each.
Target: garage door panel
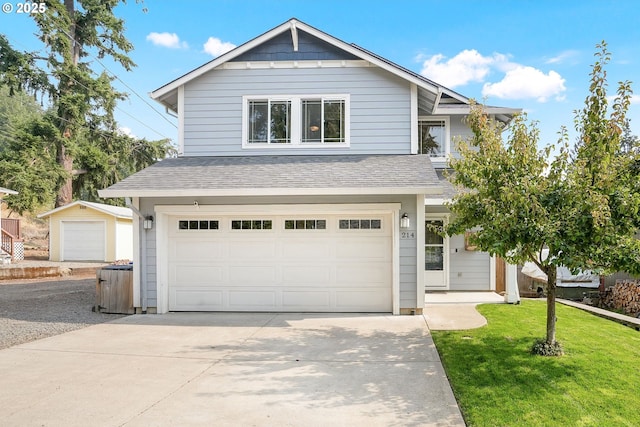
(252, 298)
(203, 299)
(252, 249)
(373, 299)
(301, 248)
(252, 275)
(364, 274)
(196, 250)
(186, 274)
(307, 299)
(361, 248)
(314, 270)
(305, 274)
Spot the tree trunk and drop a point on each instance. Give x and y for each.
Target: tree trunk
(65, 192)
(551, 304)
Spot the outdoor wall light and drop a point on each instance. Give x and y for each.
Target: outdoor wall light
(147, 224)
(405, 221)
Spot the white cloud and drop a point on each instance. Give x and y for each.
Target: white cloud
(467, 66)
(527, 82)
(126, 131)
(562, 57)
(216, 47)
(635, 99)
(519, 81)
(170, 40)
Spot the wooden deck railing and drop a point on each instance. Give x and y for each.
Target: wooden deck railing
(12, 226)
(7, 242)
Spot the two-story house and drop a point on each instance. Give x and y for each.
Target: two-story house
(310, 179)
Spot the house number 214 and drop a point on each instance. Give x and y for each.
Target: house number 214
(407, 234)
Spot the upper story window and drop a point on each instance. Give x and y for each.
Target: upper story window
(323, 120)
(433, 136)
(304, 121)
(269, 122)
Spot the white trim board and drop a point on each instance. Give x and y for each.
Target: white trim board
(200, 192)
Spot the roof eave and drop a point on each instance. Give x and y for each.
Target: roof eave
(110, 193)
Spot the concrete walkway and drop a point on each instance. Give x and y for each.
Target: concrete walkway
(230, 369)
(452, 311)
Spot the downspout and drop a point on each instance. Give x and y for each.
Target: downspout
(143, 254)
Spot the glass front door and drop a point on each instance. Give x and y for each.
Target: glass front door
(435, 255)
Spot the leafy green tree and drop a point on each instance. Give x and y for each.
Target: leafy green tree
(76, 35)
(580, 205)
(629, 142)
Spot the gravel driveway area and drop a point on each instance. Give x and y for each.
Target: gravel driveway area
(40, 308)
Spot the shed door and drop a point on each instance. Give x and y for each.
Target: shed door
(324, 263)
(83, 241)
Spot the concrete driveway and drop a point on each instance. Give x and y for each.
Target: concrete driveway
(231, 369)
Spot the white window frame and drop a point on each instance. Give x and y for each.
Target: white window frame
(447, 134)
(269, 101)
(296, 121)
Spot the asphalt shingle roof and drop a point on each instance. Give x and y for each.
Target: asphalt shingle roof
(210, 175)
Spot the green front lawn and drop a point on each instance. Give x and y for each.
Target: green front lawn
(499, 383)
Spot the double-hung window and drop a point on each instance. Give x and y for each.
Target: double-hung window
(305, 121)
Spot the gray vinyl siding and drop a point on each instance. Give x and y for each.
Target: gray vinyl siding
(468, 270)
(380, 108)
(151, 272)
(407, 267)
(408, 260)
(459, 131)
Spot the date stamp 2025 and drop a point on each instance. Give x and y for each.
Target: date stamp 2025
(27, 8)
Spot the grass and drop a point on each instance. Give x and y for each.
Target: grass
(497, 382)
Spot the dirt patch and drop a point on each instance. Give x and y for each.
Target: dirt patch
(34, 232)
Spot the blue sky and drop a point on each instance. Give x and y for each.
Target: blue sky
(534, 55)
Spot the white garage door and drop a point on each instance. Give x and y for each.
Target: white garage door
(83, 240)
(324, 263)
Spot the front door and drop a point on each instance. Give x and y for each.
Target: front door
(436, 249)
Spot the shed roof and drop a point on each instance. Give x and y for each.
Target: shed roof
(116, 211)
(281, 175)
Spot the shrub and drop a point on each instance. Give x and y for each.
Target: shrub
(542, 348)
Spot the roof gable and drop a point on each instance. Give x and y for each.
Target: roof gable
(282, 48)
(292, 29)
(116, 211)
(294, 40)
